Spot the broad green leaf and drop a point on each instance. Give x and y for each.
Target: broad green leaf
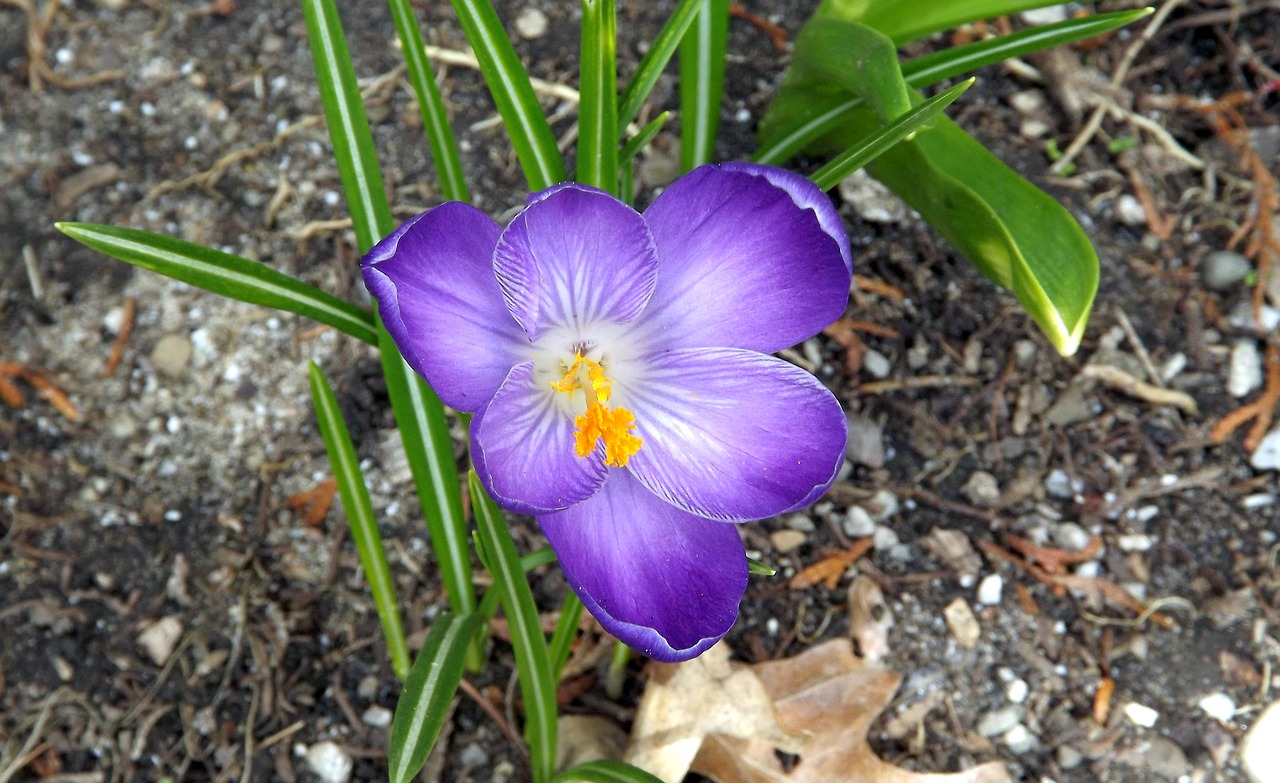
(908, 20)
(360, 517)
(605, 771)
(805, 118)
(655, 60)
(879, 142)
(533, 664)
(224, 274)
(435, 119)
(419, 413)
(702, 62)
(598, 104)
(508, 82)
(1012, 231)
(430, 687)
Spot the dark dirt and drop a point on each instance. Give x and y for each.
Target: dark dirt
(163, 507)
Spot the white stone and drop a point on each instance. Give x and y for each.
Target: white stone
(884, 538)
(1059, 485)
(964, 627)
(377, 717)
(1000, 721)
(1260, 748)
(330, 762)
(1129, 211)
(531, 23)
(1019, 740)
(1049, 15)
(873, 202)
(1267, 455)
(1134, 542)
(858, 523)
(876, 365)
(1017, 691)
(159, 639)
(1245, 373)
(990, 589)
(1218, 706)
(1141, 714)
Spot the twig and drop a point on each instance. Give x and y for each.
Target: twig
(917, 382)
(1139, 349)
(1261, 410)
(1094, 122)
(122, 338)
(1118, 379)
(487, 706)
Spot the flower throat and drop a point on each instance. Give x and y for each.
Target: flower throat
(600, 422)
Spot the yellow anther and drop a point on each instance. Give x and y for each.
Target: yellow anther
(600, 422)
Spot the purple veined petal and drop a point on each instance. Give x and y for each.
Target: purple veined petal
(734, 435)
(575, 256)
(433, 282)
(522, 446)
(743, 265)
(806, 195)
(665, 582)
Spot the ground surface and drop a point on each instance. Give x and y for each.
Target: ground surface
(164, 612)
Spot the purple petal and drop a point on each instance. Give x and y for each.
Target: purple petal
(734, 435)
(743, 264)
(575, 256)
(806, 196)
(433, 281)
(665, 582)
(522, 445)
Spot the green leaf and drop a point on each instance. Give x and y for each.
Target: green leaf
(418, 412)
(605, 771)
(756, 568)
(598, 102)
(224, 274)
(435, 119)
(533, 664)
(427, 692)
(646, 134)
(1013, 232)
(566, 631)
(508, 81)
(702, 62)
(655, 60)
(880, 141)
(908, 20)
(795, 121)
(360, 517)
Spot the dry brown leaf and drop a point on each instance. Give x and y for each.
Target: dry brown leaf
(869, 619)
(829, 569)
(817, 705)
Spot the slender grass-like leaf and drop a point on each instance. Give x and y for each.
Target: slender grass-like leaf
(224, 274)
(605, 771)
(435, 120)
(946, 63)
(756, 568)
(598, 102)
(908, 20)
(646, 134)
(508, 82)
(419, 413)
(655, 60)
(818, 115)
(866, 150)
(566, 631)
(360, 517)
(533, 664)
(427, 692)
(536, 558)
(702, 62)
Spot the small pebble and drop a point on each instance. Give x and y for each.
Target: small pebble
(1134, 542)
(159, 639)
(865, 443)
(171, 354)
(1141, 714)
(785, 541)
(1068, 757)
(1047, 15)
(1059, 485)
(377, 717)
(873, 202)
(981, 489)
(1223, 270)
(531, 23)
(1173, 366)
(330, 762)
(964, 627)
(1218, 706)
(1245, 372)
(1267, 455)
(990, 589)
(1129, 211)
(884, 538)
(1260, 748)
(882, 505)
(1019, 740)
(1071, 537)
(995, 723)
(876, 365)
(1016, 691)
(858, 523)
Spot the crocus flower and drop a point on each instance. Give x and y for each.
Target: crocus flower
(618, 367)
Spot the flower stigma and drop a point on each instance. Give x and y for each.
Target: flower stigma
(600, 422)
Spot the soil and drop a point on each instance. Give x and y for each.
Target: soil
(167, 613)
